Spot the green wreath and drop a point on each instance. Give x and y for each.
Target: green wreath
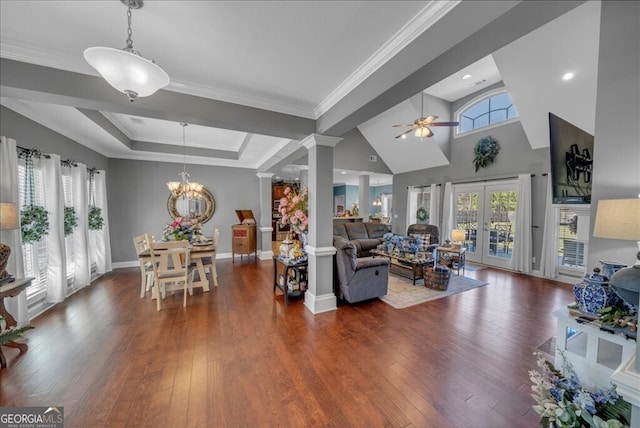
(34, 223)
(485, 152)
(95, 218)
(70, 220)
(422, 215)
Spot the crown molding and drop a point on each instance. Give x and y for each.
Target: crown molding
(26, 111)
(50, 59)
(196, 89)
(423, 20)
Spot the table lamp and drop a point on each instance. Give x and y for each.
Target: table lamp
(457, 236)
(8, 221)
(620, 219)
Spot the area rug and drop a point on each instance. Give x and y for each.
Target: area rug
(473, 268)
(402, 294)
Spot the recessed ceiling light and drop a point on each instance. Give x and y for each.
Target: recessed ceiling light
(466, 76)
(404, 137)
(343, 172)
(567, 76)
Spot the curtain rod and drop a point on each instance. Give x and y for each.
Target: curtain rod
(544, 174)
(37, 153)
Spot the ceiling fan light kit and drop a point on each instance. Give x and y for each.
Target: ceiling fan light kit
(422, 124)
(125, 69)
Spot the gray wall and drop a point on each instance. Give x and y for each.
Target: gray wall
(616, 155)
(30, 134)
(136, 190)
(515, 157)
(138, 200)
(353, 152)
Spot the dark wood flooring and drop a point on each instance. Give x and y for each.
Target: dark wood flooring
(239, 357)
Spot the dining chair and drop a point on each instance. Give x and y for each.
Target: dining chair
(141, 243)
(210, 262)
(171, 265)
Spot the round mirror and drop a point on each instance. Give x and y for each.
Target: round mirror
(201, 208)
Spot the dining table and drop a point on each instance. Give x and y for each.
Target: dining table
(197, 253)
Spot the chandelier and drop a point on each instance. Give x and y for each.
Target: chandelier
(185, 189)
(125, 69)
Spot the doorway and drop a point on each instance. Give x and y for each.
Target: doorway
(487, 213)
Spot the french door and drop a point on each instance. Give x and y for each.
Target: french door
(487, 213)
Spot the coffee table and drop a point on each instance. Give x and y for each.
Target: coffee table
(407, 267)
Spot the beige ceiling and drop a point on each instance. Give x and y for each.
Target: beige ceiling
(300, 58)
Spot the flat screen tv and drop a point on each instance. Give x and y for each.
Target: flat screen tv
(571, 162)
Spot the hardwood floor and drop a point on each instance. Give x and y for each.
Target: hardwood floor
(239, 357)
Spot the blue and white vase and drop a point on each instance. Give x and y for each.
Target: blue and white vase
(594, 293)
(610, 267)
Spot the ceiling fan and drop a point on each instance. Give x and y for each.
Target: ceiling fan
(422, 124)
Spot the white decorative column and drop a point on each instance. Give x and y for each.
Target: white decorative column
(363, 197)
(320, 250)
(264, 225)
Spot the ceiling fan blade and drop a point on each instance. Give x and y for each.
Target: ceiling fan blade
(404, 124)
(429, 133)
(444, 124)
(429, 119)
(405, 133)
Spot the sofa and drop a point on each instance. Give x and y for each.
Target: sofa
(358, 279)
(365, 236)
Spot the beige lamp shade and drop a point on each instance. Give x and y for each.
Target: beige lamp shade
(9, 218)
(457, 235)
(618, 219)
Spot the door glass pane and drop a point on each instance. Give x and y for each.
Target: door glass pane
(467, 218)
(502, 223)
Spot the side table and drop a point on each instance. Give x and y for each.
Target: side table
(456, 255)
(594, 353)
(286, 266)
(11, 289)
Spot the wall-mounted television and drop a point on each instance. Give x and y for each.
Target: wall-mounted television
(571, 162)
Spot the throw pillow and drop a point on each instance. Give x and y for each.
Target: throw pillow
(426, 240)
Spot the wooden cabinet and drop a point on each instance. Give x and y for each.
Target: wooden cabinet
(243, 235)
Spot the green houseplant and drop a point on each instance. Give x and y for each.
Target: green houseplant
(70, 220)
(34, 223)
(485, 152)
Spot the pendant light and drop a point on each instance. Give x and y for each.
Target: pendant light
(126, 69)
(184, 189)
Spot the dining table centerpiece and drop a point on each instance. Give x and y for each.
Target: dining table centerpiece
(182, 229)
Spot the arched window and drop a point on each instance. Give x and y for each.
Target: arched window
(487, 110)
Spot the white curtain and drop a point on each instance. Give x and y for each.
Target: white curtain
(103, 244)
(548, 259)
(447, 213)
(434, 206)
(522, 244)
(82, 273)
(17, 306)
(56, 251)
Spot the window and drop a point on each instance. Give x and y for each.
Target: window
(488, 110)
(570, 250)
(68, 240)
(419, 199)
(34, 255)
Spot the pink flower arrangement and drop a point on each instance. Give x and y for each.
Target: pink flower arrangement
(181, 228)
(293, 208)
